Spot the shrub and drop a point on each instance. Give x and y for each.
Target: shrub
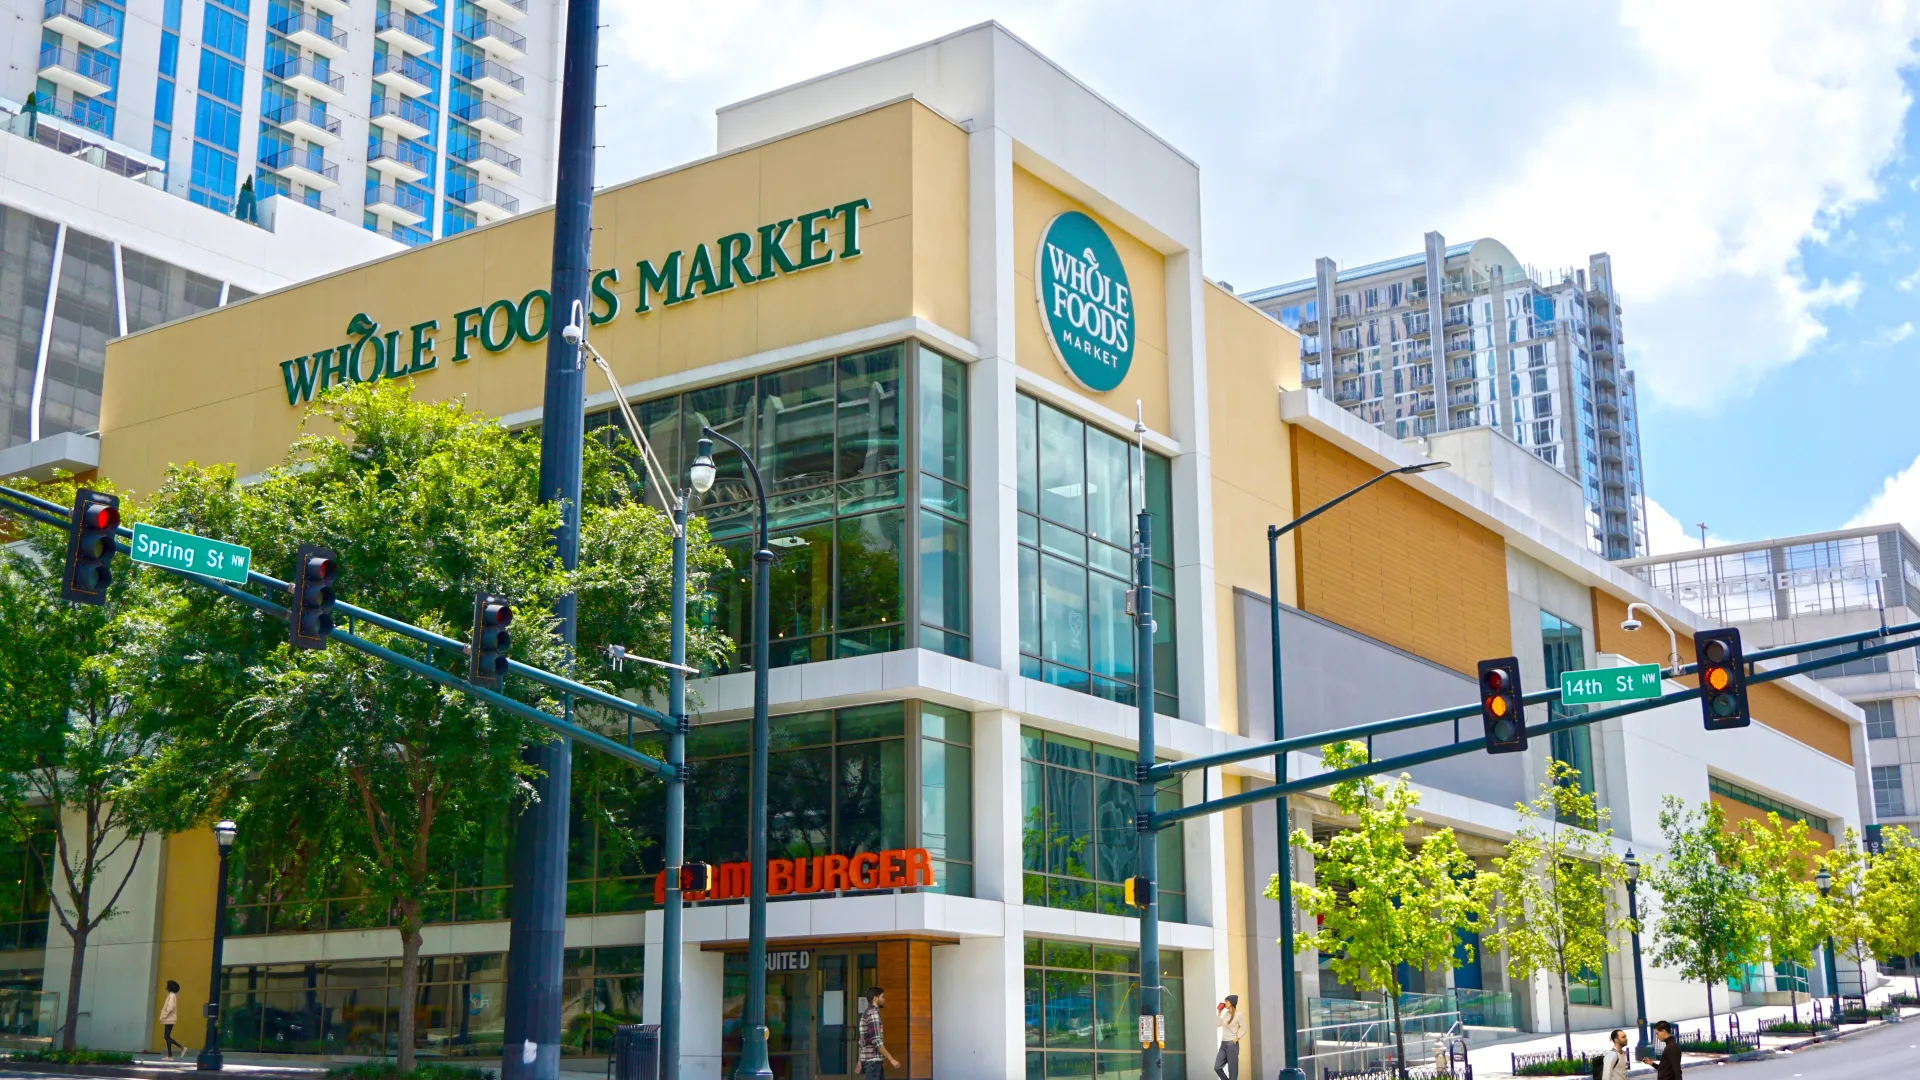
(1796, 1027)
(432, 1070)
(1715, 1046)
(74, 1057)
(1556, 1067)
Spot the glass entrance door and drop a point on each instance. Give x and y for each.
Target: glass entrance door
(813, 1012)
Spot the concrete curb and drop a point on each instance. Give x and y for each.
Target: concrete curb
(144, 1071)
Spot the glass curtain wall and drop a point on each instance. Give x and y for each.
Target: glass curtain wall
(1078, 498)
(1078, 845)
(839, 783)
(27, 245)
(1564, 647)
(867, 501)
(1082, 1008)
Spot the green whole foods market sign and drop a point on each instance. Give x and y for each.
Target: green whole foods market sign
(1085, 301)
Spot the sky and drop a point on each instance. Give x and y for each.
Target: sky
(1745, 164)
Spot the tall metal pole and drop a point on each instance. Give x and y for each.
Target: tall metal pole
(753, 1013)
(1633, 913)
(1151, 1024)
(676, 805)
(537, 937)
(210, 1059)
(1289, 1007)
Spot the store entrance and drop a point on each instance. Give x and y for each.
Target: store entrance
(813, 1009)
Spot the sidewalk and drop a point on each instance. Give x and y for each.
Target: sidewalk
(1496, 1062)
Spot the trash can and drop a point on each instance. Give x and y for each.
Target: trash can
(636, 1052)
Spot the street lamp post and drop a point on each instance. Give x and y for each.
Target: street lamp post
(671, 915)
(1289, 1005)
(210, 1060)
(1633, 913)
(1825, 881)
(753, 1014)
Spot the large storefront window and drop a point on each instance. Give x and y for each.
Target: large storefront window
(867, 500)
(24, 878)
(1078, 845)
(352, 1006)
(1078, 499)
(839, 785)
(1083, 1003)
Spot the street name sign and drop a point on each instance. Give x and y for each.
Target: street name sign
(1610, 684)
(194, 554)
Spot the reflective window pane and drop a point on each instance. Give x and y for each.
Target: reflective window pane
(795, 436)
(871, 570)
(1109, 491)
(869, 413)
(943, 416)
(1063, 611)
(1027, 450)
(1063, 469)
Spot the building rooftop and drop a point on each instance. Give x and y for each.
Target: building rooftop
(1386, 266)
(1764, 545)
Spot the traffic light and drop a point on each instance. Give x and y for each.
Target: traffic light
(310, 619)
(487, 659)
(1139, 892)
(1500, 709)
(1723, 678)
(96, 516)
(696, 877)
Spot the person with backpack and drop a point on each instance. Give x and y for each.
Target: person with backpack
(1613, 1064)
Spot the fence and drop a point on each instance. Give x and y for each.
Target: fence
(28, 1018)
(1521, 1061)
(1346, 1037)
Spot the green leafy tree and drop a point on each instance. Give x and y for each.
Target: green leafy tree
(376, 772)
(1843, 914)
(1778, 856)
(1381, 901)
(1550, 898)
(73, 741)
(1708, 928)
(1893, 898)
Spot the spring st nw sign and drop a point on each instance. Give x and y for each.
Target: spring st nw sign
(194, 554)
(1610, 684)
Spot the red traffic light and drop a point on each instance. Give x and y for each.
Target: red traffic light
(496, 614)
(102, 518)
(1494, 680)
(319, 566)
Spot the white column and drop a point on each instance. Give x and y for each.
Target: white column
(991, 452)
(117, 1004)
(979, 991)
(1192, 487)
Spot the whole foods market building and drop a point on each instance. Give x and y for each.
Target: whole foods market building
(930, 309)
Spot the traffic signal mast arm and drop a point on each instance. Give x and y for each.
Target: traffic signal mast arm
(51, 514)
(1166, 818)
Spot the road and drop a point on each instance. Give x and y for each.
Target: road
(1891, 1051)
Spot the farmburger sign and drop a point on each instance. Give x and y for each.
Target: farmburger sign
(814, 239)
(1085, 301)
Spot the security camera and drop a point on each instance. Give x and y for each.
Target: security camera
(572, 333)
(1630, 625)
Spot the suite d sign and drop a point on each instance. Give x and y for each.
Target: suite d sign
(1086, 304)
(816, 238)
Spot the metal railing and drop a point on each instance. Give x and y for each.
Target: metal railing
(492, 28)
(314, 114)
(95, 15)
(474, 71)
(412, 110)
(294, 67)
(411, 67)
(478, 151)
(485, 193)
(85, 64)
(412, 155)
(319, 26)
(394, 195)
(414, 26)
(490, 111)
(312, 162)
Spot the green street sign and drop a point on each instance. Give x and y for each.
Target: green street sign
(194, 554)
(1610, 684)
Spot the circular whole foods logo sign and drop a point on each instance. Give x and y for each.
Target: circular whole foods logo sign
(1085, 301)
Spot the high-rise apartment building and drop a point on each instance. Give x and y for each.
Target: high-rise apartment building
(415, 118)
(1466, 335)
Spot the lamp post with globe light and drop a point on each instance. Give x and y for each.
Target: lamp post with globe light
(210, 1059)
(1825, 881)
(1633, 914)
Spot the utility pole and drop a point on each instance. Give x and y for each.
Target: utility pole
(676, 804)
(537, 936)
(1152, 1026)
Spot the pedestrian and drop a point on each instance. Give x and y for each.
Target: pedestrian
(873, 1040)
(1665, 1056)
(169, 1016)
(1617, 1060)
(1226, 1063)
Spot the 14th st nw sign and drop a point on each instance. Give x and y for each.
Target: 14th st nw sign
(1610, 684)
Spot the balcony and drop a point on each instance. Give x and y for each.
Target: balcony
(332, 7)
(488, 203)
(493, 77)
(407, 32)
(315, 32)
(403, 205)
(310, 121)
(489, 161)
(1309, 373)
(418, 7)
(510, 10)
(491, 120)
(311, 77)
(400, 160)
(305, 167)
(405, 75)
(1346, 396)
(402, 117)
(89, 24)
(500, 42)
(1463, 397)
(81, 72)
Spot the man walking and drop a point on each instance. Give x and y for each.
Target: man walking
(1226, 1063)
(873, 1039)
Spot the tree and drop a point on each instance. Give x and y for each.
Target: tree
(376, 773)
(1842, 913)
(1893, 899)
(73, 742)
(1550, 898)
(1778, 856)
(1381, 902)
(1707, 928)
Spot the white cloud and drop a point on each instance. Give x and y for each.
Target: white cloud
(1898, 500)
(1703, 145)
(1667, 535)
(1909, 283)
(1893, 335)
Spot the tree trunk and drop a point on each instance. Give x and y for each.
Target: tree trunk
(1566, 1013)
(409, 988)
(1712, 1031)
(73, 987)
(1794, 996)
(1399, 1040)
